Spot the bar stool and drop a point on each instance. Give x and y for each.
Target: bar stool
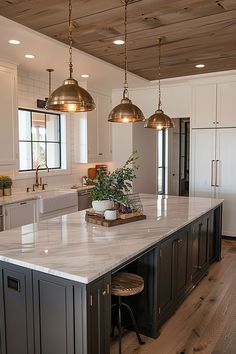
(126, 284)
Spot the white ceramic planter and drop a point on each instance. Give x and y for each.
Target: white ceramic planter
(99, 206)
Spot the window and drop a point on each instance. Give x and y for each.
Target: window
(40, 139)
(161, 161)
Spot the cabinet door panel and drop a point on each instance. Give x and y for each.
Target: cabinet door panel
(166, 269)
(195, 250)
(204, 106)
(203, 243)
(203, 164)
(19, 214)
(53, 315)
(199, 253)
(104, 128)
(182, 270)
(226, 97)
(99, 316)
(8, 115)
(16, 310)
(226, 177)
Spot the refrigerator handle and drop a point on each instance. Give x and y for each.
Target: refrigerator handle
(213, 178)
(217, 173)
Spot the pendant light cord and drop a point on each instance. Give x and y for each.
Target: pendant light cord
(126, 93)
(159, 74)
(70, 39)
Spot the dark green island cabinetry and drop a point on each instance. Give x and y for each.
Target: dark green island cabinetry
(43, 313)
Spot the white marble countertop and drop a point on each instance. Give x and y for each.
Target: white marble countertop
(22, 196)
(68, 247)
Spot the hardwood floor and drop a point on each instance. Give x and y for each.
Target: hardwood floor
(206, 321)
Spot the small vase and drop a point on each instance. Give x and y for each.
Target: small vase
(1, 192)
(7, 192)
(99, 206)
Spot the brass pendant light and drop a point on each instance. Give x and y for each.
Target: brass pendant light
(70, 97)
(159, 120)
(126, 111)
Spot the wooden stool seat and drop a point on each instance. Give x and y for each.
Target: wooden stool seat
(126, 284)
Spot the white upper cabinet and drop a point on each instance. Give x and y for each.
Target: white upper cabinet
(104, 128)
(8, 117)
(226, 98)
(204, 106)
(93, 132)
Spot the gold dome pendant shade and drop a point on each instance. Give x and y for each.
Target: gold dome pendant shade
(126, 111)
(159, 120)
(70, 97)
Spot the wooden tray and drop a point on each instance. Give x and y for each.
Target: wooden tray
(99, 219)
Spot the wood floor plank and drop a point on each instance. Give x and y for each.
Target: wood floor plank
(205, 323)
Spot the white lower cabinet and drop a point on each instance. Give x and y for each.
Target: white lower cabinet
(213, 170)
(18, 214)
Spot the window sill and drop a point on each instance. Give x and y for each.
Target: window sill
(44, 173)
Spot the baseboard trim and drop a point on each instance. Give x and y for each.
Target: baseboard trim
(229, 237)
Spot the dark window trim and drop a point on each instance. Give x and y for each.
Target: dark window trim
(46, 142)
(163, 166)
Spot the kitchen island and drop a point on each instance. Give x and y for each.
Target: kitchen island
(55, 275)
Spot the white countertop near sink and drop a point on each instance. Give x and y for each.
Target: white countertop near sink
(21, 196)
(70, 248)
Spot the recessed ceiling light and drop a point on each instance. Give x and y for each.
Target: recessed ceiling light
(14, 41)
(200, 66)
(119, 42)
(29, 56)
(84, 75)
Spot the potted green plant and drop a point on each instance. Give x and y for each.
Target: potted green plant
(102, 192)
(113, 187)
(1, 186)
(122, 179)
(7, 183)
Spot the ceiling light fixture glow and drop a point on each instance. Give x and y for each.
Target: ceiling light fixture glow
(200, 66)
(84, 75)
(29, 56)
(14, 41)
(119, 42)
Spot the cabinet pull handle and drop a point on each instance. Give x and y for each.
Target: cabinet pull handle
(91, 300)
(13, 284)
(100, 153)
(23, 203)
(108, 288)
(212, 173)
(217, 173)
(104, 293)
(180, 241)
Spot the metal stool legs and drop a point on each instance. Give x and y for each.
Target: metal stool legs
(134, 323)
(119, 305)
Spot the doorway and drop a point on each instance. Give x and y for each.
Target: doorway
(178, 157)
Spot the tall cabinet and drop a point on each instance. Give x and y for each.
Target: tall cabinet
(8, 90)
(213, 146)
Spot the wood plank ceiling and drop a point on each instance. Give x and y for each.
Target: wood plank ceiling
(194, 31)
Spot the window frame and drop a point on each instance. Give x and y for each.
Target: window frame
(59, 142)
(162, 165)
